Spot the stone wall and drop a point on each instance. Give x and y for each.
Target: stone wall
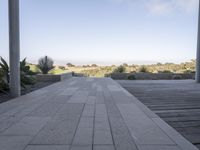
(152, 76)
(52, 78)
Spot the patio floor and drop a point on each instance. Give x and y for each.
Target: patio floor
(176, 102)
(84, 114)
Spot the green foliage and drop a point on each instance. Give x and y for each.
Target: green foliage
(4, 69)
(61, 67)
(120, 69)
(94, 65)
(45, 64)
(143, 69)
(3, 82)
(25, 73)
(102, 71)
(165, 71)
(70, 65)
(57, 71)
(34, 68)
(24, 67)
(4, 75)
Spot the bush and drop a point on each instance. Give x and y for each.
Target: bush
(3, 82)
(165, 71)
(120, 69)
(143, 69)
(131, 77)
(45, 64)
(25, 73)
(61, 67)
(4, 75)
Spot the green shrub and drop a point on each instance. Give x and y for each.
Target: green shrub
(25, 75)
(3, 82)
(143, 69)
(45, 64)
(4, 75)
(165, 71)
(120, 69)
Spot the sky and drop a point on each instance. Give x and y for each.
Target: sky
(104, 31)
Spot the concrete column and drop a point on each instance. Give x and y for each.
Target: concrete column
(14, 48)
(198, 52)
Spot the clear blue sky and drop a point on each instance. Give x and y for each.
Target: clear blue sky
(105, 31)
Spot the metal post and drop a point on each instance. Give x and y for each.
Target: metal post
(14, 48)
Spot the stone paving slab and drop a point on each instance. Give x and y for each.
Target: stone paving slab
(84, 114)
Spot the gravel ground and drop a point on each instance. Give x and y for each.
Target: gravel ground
(5, 97)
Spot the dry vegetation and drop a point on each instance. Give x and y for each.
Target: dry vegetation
(100, 71)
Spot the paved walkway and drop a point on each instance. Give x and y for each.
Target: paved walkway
(84, 114)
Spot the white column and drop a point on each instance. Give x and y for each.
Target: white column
(198, 51)
(14, 48)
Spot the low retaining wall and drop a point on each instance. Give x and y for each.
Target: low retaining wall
(152, 76)
(53, 78)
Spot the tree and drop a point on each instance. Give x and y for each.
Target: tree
(125, 65)
(120, 69)
(94, 65)
(61, 67)
(143, 69)
(45, 64)
(70, 65)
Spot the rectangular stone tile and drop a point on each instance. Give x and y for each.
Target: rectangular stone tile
(102, 136)
(94, 85)
(91, 100)
(99, 88)
(173, 134)
(121, 135)
(81, 147)
(29, 126)
(158, 147)
(86, 122)
(60, 130)
(120, 98)
(72, 82)
(14, 142)
(84, 132)
(60, 99)
(79, 97)
(8, 122)
(102, 133)
(47, 147)
(142, 128)
(83, 136)
(68, 91)
(48, 109)
(114, 88)
(71, 109)
(100, 110)
(88, 111)
(99, 97)
(104, 147)
(102, 123)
